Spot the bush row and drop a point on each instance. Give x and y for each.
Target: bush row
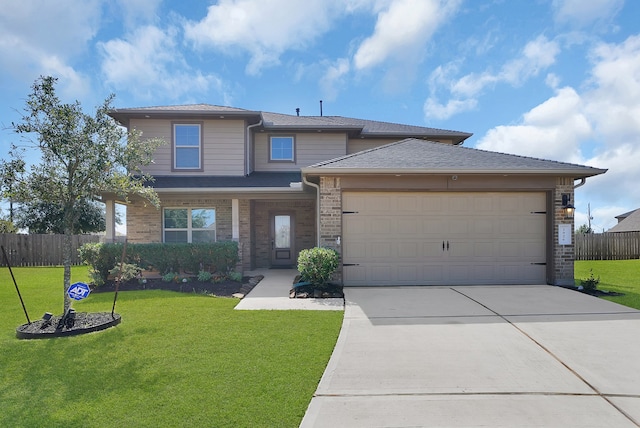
(188, 258)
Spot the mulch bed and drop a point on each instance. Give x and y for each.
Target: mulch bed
(596, 292)
(311, 291)
(85, 322)
(88, 322)
(226, 288)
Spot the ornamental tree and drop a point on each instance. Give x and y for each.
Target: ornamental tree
(81, 156)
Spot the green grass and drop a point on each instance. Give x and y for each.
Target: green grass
(622, 276)
(175, 360)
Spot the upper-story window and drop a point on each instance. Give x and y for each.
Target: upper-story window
(187, 146)
(282, 149)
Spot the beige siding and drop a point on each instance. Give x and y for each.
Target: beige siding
(355, 145)
(223, 151)
(310, 148)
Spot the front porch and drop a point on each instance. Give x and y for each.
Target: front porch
(270, 231)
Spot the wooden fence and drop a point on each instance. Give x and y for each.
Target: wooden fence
(40, 250)
(607, 246)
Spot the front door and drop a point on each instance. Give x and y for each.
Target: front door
(282, 239)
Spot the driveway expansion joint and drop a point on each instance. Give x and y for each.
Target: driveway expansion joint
(548, 351)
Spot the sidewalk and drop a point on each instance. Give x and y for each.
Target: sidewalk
(272, 293)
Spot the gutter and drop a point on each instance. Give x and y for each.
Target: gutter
(229, 190)
(582, 181)
(247, 148)
(422, 171)
(317, 187)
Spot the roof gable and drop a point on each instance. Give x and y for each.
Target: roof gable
(630, 224)
(419, 156)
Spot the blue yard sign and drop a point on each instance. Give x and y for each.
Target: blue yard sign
(79, 291)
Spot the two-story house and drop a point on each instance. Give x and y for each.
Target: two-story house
(402, 204)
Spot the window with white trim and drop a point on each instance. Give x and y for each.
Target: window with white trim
(281, 149)
(187, 146)
(191, 225)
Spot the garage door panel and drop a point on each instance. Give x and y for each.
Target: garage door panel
(398, 238)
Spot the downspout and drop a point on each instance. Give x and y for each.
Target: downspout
(582, 181)
(317, 187)
(247, 147)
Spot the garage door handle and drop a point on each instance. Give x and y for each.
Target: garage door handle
(447, 245)
(442, 245)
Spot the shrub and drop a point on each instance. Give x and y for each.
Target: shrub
(317, 265)
(188, 258)
(129, 271)
(170, 276)
(204, 276)
(235, 276)
(591, 283)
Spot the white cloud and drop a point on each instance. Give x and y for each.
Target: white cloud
(43, 38)
(263, 28)
(614, 102)
(433, 109)
(462, 94)
(536, 56)
(135, 12)
(149, 61)
(334, 78)
(402, 30)
(552, 130)
(581, 13)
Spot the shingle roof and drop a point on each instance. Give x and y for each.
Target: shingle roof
(198, 111)
(286, 122)
(253, 180)
(625, 215)
(630, 224)
(363, 126)
(425, 156)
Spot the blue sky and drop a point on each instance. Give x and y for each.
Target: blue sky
(556, 79)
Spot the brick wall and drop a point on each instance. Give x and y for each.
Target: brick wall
(330, 211)
(144, 223)
(244, 212)
(331, 216)
(563, 255)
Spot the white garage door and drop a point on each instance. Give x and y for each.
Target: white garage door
(443, 238)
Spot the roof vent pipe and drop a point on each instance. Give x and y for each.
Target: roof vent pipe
(298, 111)
(320, 107)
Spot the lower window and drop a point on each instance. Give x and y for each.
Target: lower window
(191, 225)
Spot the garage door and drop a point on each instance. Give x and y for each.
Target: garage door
(443, 238)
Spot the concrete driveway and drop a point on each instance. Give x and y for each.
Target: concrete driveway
(497, 356)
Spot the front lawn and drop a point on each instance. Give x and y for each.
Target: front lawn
(176, 360)
(622, 276)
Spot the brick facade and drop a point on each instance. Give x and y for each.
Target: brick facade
(330, 211)
(563, 255)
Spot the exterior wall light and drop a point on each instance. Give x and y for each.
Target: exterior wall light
(566, 205)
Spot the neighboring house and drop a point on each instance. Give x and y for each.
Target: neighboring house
(404, 205)
(627, 222)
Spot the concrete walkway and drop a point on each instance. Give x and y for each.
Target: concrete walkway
(272, 293)
(502, 356)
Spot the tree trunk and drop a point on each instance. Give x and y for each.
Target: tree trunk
(66, 262)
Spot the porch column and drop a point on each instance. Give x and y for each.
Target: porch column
(235, 220)
(110, 220)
